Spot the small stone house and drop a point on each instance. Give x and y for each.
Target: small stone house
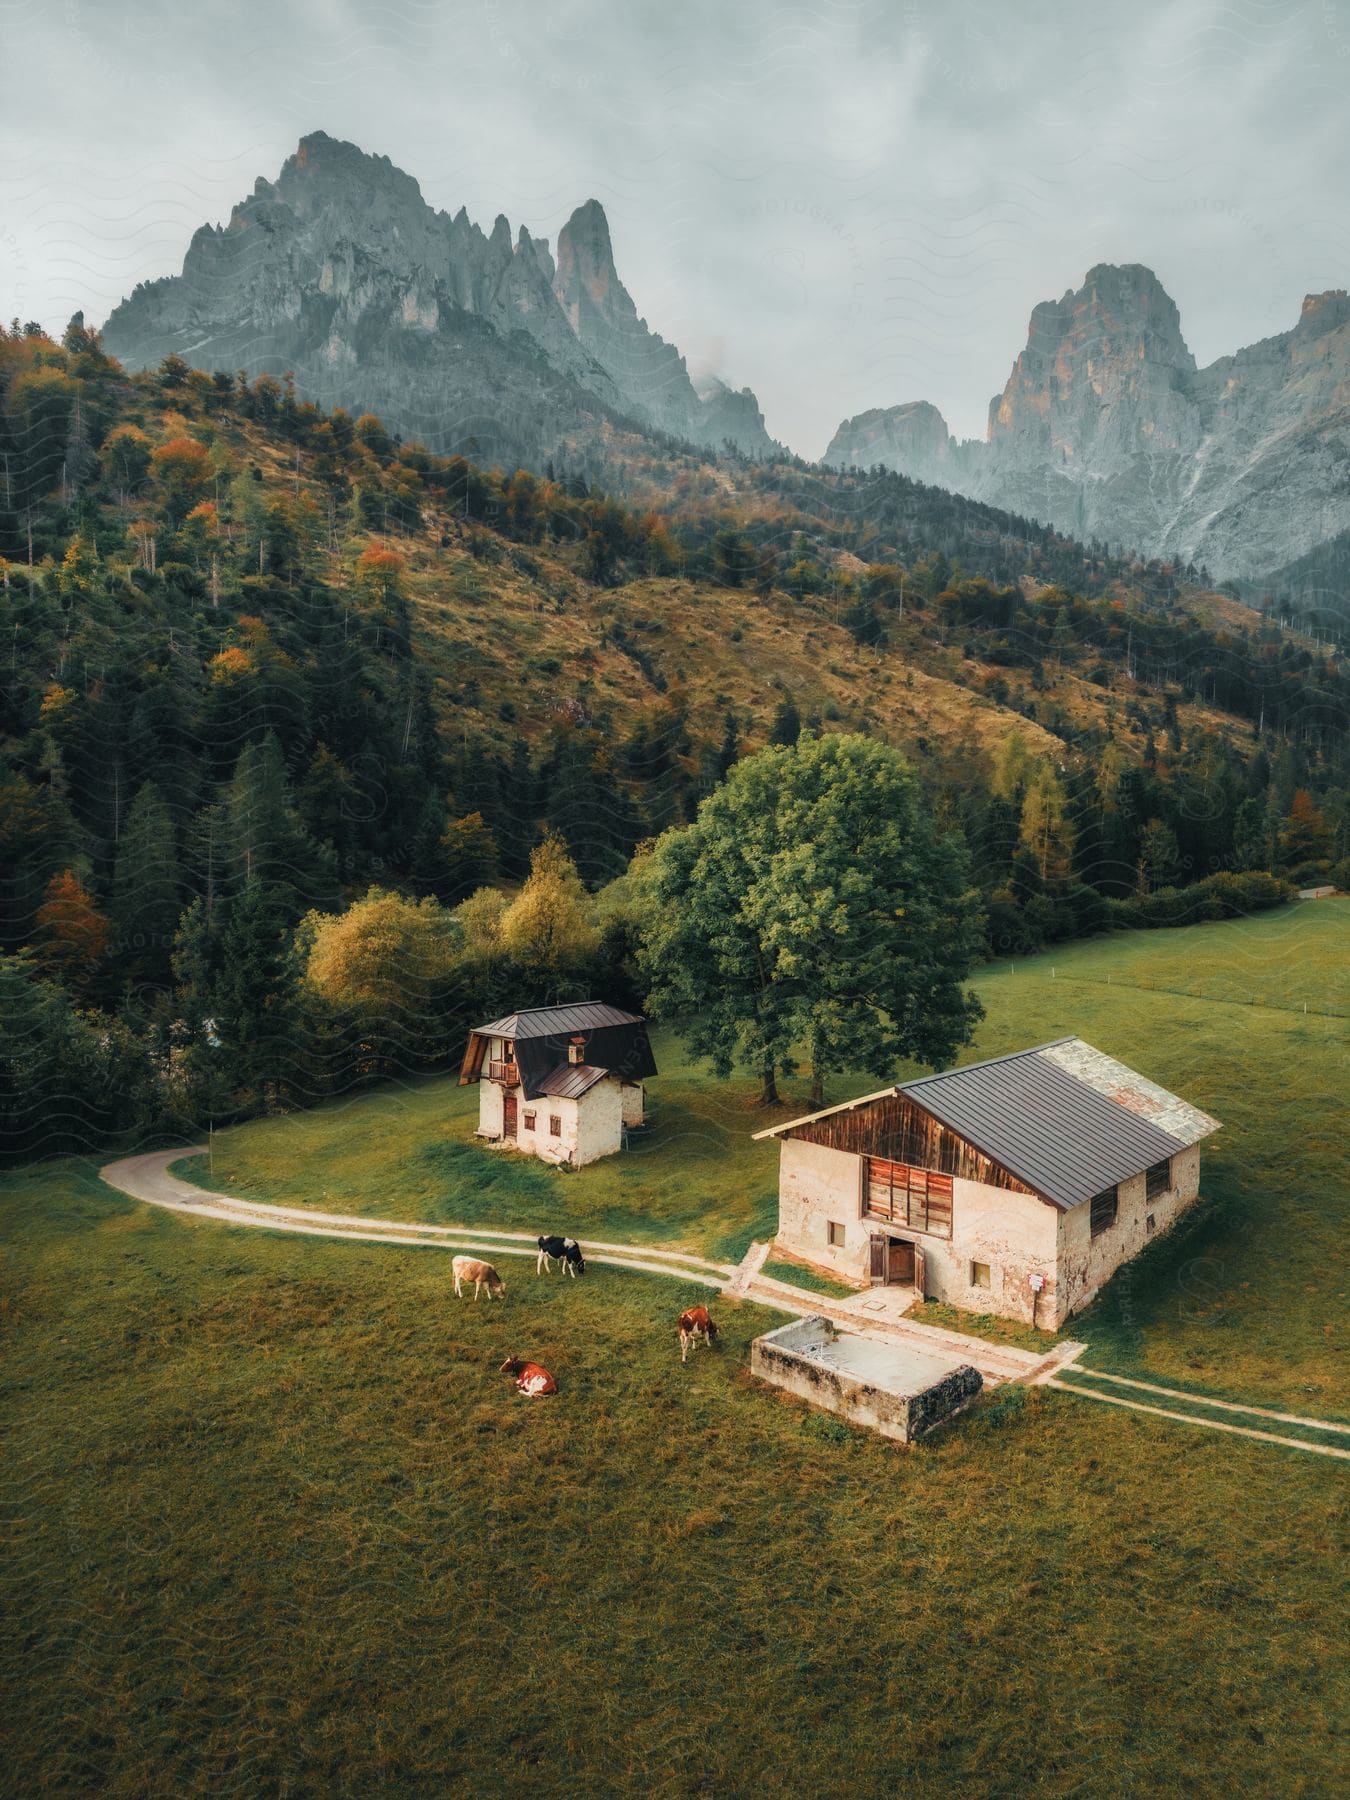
(1016, 1186)
(564, 1083)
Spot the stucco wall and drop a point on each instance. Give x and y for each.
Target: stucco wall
(591, 1126)
(598, 1122)
(1014, 1234)
(817, 1185)
(1087, 1263)
(634, 1100)
(490, 1098)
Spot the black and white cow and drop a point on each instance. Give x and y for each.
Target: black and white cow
(565, 1250)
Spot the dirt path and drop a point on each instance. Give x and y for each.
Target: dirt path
(147, 1178)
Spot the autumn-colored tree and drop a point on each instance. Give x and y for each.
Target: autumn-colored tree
(379, 570)
(1305, 836)
(1011, 762)
(1046, 829)
(72, 934)
(182, 469)
(547, 929)
(391, 963)
(480, 922)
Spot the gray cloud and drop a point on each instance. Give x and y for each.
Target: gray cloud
(842, 205)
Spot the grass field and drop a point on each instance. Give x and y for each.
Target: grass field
(1248, 1296)
(274, 1524)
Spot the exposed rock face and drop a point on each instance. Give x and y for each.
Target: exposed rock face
(342, 273)
(1107, 429)
(912, 438)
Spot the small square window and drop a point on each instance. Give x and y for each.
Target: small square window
(554, 1125)
(836, 1233)
(979, 1275)
(528, 1121)
(1148, 1224)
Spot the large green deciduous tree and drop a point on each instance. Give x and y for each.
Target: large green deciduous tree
(812, 904)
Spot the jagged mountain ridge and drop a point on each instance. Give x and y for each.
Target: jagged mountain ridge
(343, 274)
(1108, 429)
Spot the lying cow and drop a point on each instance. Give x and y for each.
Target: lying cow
(565, 1250)
(481, 1274)
(530, 1377)
(695, 1324)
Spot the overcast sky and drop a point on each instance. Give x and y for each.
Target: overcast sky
(840, 203)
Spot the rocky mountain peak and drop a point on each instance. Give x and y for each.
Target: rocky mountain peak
(341, 272)
(586, 269)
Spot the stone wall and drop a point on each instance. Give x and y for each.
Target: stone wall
(1086, 1263)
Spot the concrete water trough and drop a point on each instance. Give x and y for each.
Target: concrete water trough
(885, 1386)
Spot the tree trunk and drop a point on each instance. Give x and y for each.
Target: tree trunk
(817, 1088)
(770, 1096)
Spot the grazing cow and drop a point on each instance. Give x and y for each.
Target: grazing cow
(565, 1250)
(481, 1274)
(695, 1324)
(531, 1378)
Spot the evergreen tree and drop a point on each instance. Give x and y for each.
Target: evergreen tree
(256, 1017)
(146, 891)
(787, 722)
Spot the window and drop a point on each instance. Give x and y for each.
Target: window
(554, 1125)
(1158, 1179)
(1103, 1214)
(919, 1199)
(528, 1121)
(836, 1235)
(1148, 1224)
(979, 1275)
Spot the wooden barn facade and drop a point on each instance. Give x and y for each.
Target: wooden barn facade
(563, 1083)
(1016, 1186)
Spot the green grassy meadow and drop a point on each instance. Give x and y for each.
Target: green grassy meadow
(1247, 1297)
(275, 1524)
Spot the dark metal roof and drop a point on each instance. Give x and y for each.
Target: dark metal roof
(548, 1021)
(569, 1081)
(1046, 1126)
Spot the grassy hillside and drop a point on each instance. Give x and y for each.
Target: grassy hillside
(1248, 1296)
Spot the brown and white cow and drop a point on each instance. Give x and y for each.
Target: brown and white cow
(481, 1274)
(695, 1324)
(530, 1377)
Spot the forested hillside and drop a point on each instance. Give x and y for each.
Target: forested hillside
(257, 660)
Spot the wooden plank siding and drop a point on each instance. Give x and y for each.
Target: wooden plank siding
(896, 1129)
(919, 1199)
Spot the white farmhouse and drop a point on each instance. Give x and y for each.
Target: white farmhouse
(1016, 1186)
(564, 1083)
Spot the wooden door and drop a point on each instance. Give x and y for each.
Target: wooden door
(920, 1272)
(899, 1264)
(876, 1245)
(509, 1115)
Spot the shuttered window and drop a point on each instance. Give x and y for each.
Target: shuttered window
(919, 1199)
(1103, 1214)
(1158, 1179)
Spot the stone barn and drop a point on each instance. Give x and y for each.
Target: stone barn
(1016, 1186)
(564, 1083)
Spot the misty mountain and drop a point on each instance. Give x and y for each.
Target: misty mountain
(1108, 429)
(341, 273)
